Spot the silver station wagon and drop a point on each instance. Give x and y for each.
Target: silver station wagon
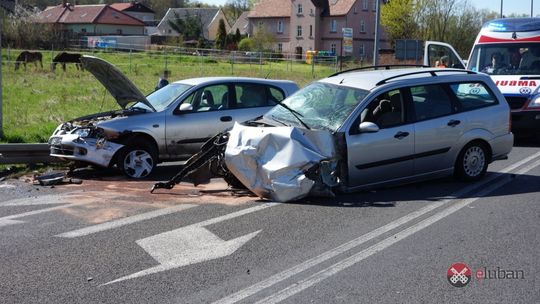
(169, 124)
(363, 129)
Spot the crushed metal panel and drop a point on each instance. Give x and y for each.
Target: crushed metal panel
(272, 162)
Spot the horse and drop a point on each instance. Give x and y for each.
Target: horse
(64, 58)
(27, 57)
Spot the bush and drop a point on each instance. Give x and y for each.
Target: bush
(246, 44)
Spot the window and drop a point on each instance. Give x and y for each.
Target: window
(364, 5)
(310, 30)
(209, 98)
(386, 110)
(375, 5)
(430, 101)
(472, 95)
(311, 12)
(255, 95)
(362, 50)
(333, 26)
(280, 26)
(83, 30)
(280, 47)
(299, 9)
(119, 32)
(362, 26)
(354, 10)
(299, 31)
(333, 48)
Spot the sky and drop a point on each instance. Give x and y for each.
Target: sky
(509, 6)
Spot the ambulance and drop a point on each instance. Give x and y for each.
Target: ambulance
(509, 51)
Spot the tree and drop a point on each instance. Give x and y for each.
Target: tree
(190, 26)
(221, 37)
(399, 19)
(245, 44)
(234, 8)
(263, 39)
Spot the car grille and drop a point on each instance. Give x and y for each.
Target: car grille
(62, 150)
(516, 102)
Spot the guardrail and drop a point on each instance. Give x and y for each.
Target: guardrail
(25, 154)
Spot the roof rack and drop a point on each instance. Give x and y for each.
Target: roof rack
(376, 67)
(432, 72)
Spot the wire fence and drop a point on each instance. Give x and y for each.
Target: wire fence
(132, 56)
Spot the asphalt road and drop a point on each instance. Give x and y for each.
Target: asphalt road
(108, 241)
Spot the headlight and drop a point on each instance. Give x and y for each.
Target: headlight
(82, 132)
(534, 103)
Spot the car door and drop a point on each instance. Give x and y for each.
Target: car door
(435, 52)
(386, 154)
(438, 127)
(198, 117)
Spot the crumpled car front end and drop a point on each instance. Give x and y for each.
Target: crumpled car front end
(84, 142)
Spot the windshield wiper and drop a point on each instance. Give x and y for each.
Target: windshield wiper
(295, 114)
(274, 118)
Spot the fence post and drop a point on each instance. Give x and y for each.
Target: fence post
(130, 58)
(166, 63)
(232, 63)
(260, 62)
(313, 66)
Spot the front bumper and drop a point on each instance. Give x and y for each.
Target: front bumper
(526, 122)
(91, 150)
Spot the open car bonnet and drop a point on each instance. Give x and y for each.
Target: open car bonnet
(120, 87)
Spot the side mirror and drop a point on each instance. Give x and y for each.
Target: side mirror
(185, 107)
(368, 127)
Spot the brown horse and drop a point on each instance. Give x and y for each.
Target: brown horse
(27, 57)
(64, 58)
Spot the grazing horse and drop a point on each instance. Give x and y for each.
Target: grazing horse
(27, 57)
(64, 58)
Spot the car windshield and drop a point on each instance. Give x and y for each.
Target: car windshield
(319, 106)
(506, 59)
(163, 97)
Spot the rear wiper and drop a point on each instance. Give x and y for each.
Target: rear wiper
(295, 114)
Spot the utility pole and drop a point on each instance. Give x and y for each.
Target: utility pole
(1, 113)
(501, 8)
(376, 42)
(532, 8)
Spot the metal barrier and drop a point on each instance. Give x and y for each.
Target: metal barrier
(25, 154)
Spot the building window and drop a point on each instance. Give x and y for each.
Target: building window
(364, 5)
(170, 31)
(362, 26)
(118, 32)
(333, 48)
(375, 5)
(333, 26)
(362, 50)
(280, 47)
(354, 10)
(299, 9)
(311, 12)
(310, 30)
(299, 31)
(280, 26)
(83, 30)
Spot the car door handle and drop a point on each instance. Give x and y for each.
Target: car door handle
(401, 135)
(225, 118)
(453, 123)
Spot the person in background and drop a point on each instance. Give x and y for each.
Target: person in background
(443, 63)
(496, 65)
(163, 79)
(515, 59)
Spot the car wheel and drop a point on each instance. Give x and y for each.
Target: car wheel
(472, 162)
(137, 161)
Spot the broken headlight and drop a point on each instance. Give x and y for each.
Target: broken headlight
(85, 132)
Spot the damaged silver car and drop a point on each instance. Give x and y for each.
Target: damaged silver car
(169, 124)
(363, 129)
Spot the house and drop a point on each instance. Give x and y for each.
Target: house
(209, 18)
(303, 25)
(84, 20)
(241, 24)
(141, 12)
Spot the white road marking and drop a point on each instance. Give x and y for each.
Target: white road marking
(124, 221)
(8, 220)
(279, 277)
(34, 201)
(352, 260)
(191, 244)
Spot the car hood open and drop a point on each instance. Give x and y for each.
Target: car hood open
(120, 87)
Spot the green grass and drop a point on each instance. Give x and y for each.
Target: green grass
(35, 101)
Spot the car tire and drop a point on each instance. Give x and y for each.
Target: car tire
(137, 160)
(472, 162)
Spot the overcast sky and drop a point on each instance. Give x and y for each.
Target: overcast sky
(509, 6)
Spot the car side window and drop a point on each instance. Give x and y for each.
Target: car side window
(473, 95)
(386, 110)
(275, 96)
(430, 101)
(250, 95)
(209, 98)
